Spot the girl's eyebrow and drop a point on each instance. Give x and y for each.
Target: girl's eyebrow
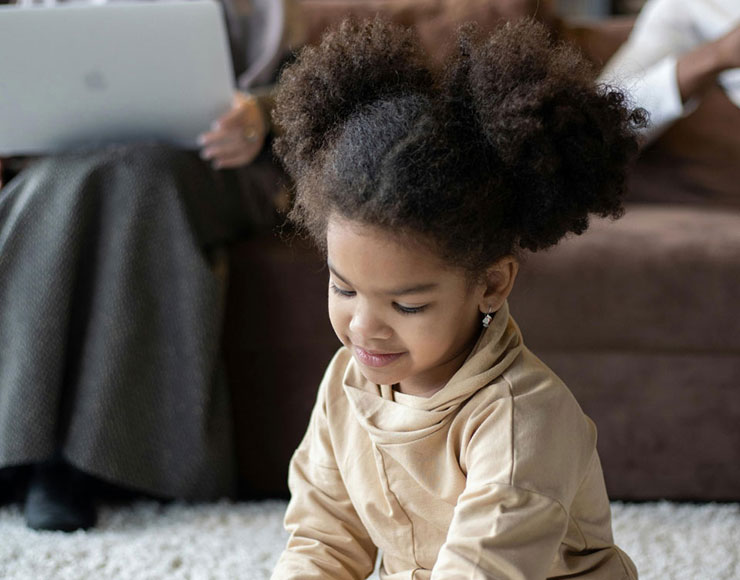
(415, 289)
(337, 274)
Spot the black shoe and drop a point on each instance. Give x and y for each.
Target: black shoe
(13, 483)
(59, 499)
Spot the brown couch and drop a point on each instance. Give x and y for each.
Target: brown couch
(638, 316)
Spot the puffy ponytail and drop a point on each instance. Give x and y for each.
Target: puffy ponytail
(355, 65)
(560, 143)
(509, 145)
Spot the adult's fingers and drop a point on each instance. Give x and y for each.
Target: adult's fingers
(234, 118)
(221, 150)
(233, 161)
(217, 135)
(228, 153)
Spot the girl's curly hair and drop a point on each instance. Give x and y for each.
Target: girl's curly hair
(510, 145)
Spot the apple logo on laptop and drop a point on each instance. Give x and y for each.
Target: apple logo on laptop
(95, 81)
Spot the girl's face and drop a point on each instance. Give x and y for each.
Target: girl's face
(408, 318)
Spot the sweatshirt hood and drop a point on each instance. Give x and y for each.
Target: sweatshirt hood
(388, 422)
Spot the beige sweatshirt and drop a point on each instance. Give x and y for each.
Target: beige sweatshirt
(494, 476)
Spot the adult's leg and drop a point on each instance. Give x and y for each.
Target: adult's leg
(111, 322)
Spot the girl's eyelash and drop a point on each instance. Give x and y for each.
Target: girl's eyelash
(337, 290)
(409, 309)
(402, 309)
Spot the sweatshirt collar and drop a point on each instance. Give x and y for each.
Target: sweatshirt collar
(388, 422)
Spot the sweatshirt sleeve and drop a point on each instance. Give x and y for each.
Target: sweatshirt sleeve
(500, 531)
(327, 539)
(525, 459)
(646, 65)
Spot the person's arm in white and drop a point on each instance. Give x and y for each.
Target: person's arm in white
(666, 65)
(698, 69)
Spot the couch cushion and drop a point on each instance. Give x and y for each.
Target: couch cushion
(669, 424)
(661, 279)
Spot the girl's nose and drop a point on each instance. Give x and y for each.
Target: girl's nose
(366, 325)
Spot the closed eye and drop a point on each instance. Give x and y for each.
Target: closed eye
(338, 291)
(409, 309)
(399, 307)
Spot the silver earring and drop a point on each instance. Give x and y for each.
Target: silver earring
(487, 318)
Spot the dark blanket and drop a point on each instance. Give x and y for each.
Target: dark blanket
(111, 313)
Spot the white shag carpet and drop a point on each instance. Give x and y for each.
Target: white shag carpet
(229, 541)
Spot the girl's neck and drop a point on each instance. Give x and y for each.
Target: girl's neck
(428, 386)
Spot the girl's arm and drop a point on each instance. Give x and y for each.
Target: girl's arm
(501, 531)
(327, 539)
(526, 463)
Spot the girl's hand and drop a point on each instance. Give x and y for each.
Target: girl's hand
(236, 137)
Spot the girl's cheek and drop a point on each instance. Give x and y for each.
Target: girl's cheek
(340, 314)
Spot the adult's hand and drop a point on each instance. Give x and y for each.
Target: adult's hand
(728, 48)
(236, 137)
(698, 69)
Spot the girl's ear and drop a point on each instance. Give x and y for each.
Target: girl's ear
(498, 282)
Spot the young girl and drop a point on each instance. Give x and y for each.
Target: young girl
(437, 437)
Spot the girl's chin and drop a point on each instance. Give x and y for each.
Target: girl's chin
(380, 376)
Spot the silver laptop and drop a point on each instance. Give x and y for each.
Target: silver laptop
(79, 76)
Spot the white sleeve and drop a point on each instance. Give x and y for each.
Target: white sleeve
(645, 66)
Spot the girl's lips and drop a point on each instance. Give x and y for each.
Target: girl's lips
(375, 359)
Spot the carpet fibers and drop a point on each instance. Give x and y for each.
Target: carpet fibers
(227, 541)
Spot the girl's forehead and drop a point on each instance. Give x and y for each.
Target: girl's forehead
(361, 253)
(344, 235)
